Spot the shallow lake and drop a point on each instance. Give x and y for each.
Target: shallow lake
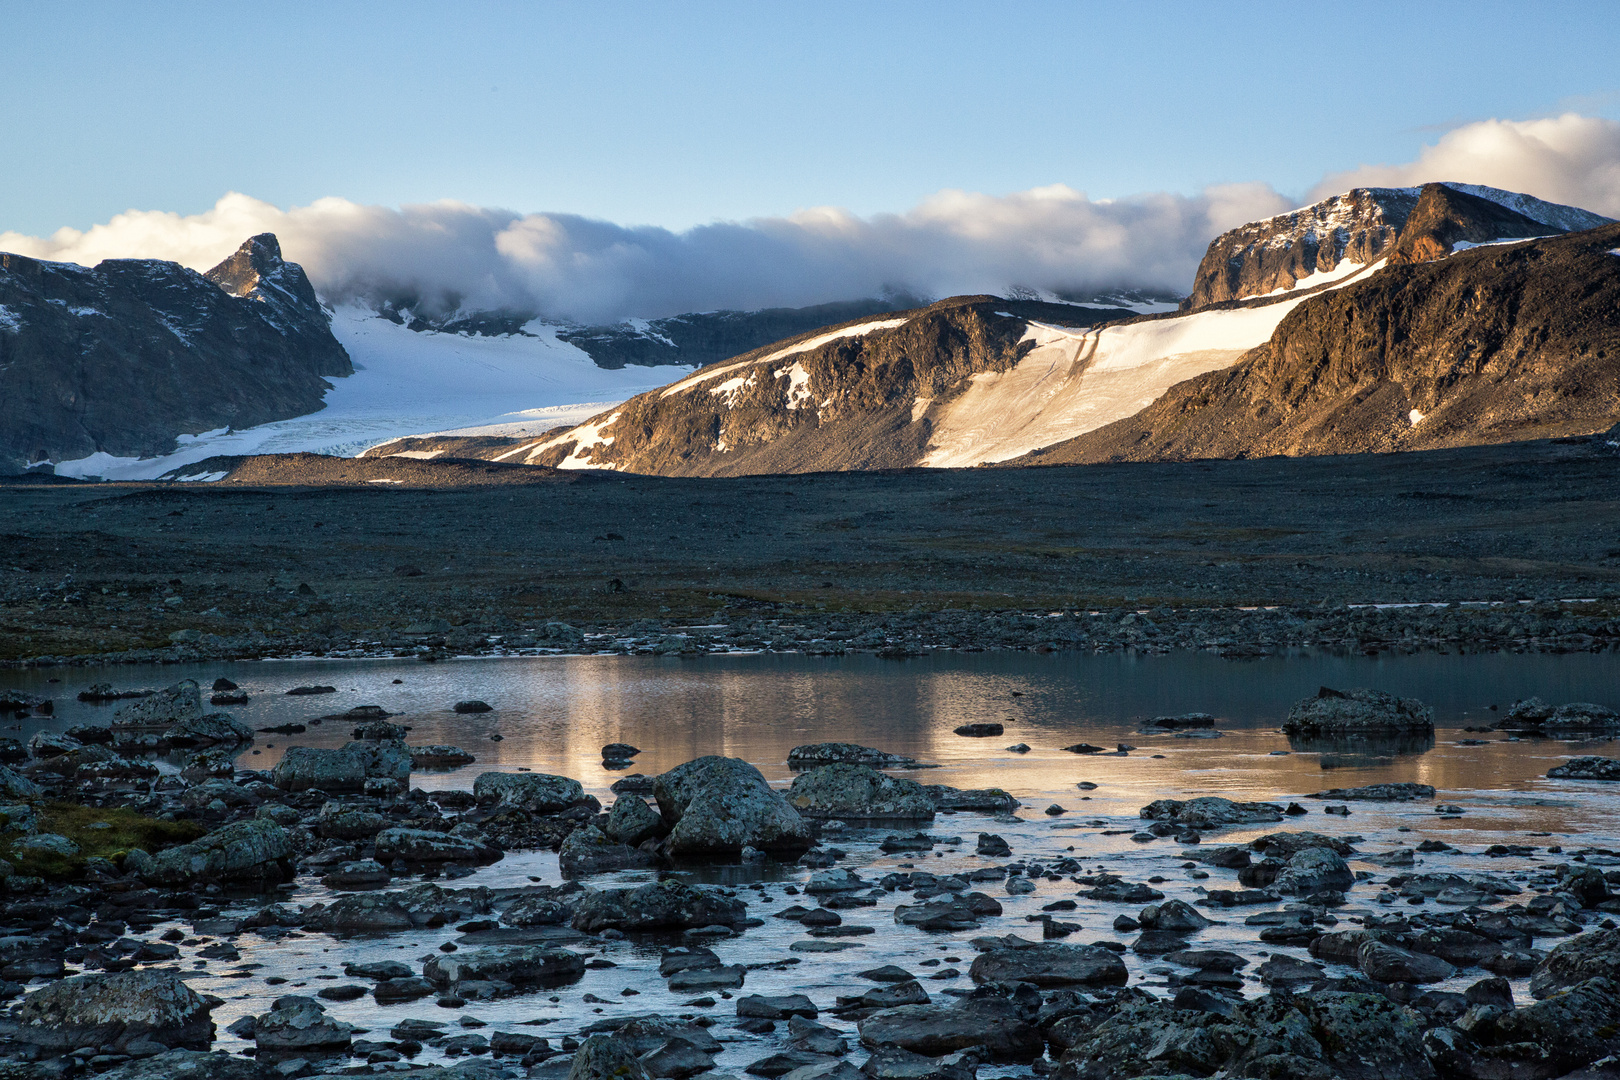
(554, 714)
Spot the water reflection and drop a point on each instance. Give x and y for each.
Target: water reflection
(555, 714)
(1344, 752)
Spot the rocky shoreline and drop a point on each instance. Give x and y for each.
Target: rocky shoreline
(1259, 950)
(1238, 633)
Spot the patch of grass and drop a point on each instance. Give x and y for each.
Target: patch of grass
(100, 832)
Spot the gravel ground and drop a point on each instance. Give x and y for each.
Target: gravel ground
(1147, 556)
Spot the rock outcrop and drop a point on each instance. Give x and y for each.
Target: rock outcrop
(123, 357)
(1494, 344)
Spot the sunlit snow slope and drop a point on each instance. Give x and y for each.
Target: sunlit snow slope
(411, 383)
(1075, 381)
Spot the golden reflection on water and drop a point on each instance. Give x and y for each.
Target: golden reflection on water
(555, 714)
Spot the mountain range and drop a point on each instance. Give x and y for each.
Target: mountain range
(1379, 319)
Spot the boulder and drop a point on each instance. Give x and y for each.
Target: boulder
(131, 1012)
(297, 1025)
(44, 745)
(980, 731)
(588, 850)
(1210, 812)
(1173, 916)
(829, 753)
(1357, 712)
(536, 911)
(992, 1024)
(1554, 1037)
(210, 729)
(660, 905)
(189, 1065)
(858, 793)
(536, 793)
(1050, 964)
(1285, 845)
(424, 846)
(1595, 954)
(1536, 716)
(632, 821)
(344, 770)
(1589, 767)
(718, 806)
(425, 905)
(603, 1057)
(1312, 870)
(982, 800)
(253, 852)
(524, 967)
(339, 822)
(162, 708)
(1386, 963)
(14, 785)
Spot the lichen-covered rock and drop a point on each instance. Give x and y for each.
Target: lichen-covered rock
(1050, 964)
(1594, 954)
(518, 966)
(1386, 963)
(14, 785)
(537, 911)
(718, 806)
(425, 846)
(1553, 1037)
(661, 905)
(339, 822)
(344, 770)
(1588, 767)
(425, 905)
(1211, 812)
(190, 1065)
(991, 1024)
(632, 821)
(254, 852)
(1379, 793)
(537, 793)
(1357, 712)
(1314, 869)
(298, 1024)
(603, 1057)
(172, 704)
(858, 793)
(210, 729)
(132, 1012)
(589, 850)
(439, 756)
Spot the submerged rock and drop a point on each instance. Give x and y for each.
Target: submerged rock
(133, 1012)
(858, 793)
(1357, 712)
(1379, 793)
(828, 753)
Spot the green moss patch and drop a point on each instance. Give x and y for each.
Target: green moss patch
(100, 832)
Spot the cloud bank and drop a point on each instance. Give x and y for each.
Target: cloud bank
(449, 256)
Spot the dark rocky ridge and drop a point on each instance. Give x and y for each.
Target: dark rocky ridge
(854, 412)
(1362, 226)
(124, 356)
(1492, 345)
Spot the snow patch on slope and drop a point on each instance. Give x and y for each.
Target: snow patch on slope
(1074, 381)
(408, 383)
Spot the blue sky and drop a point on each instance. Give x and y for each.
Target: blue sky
(681, 114)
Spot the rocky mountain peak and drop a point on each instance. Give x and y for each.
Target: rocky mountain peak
(1446, 216)
(257, 258)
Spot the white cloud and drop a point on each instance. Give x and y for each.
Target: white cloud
(1568, 159)
(449, 254)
